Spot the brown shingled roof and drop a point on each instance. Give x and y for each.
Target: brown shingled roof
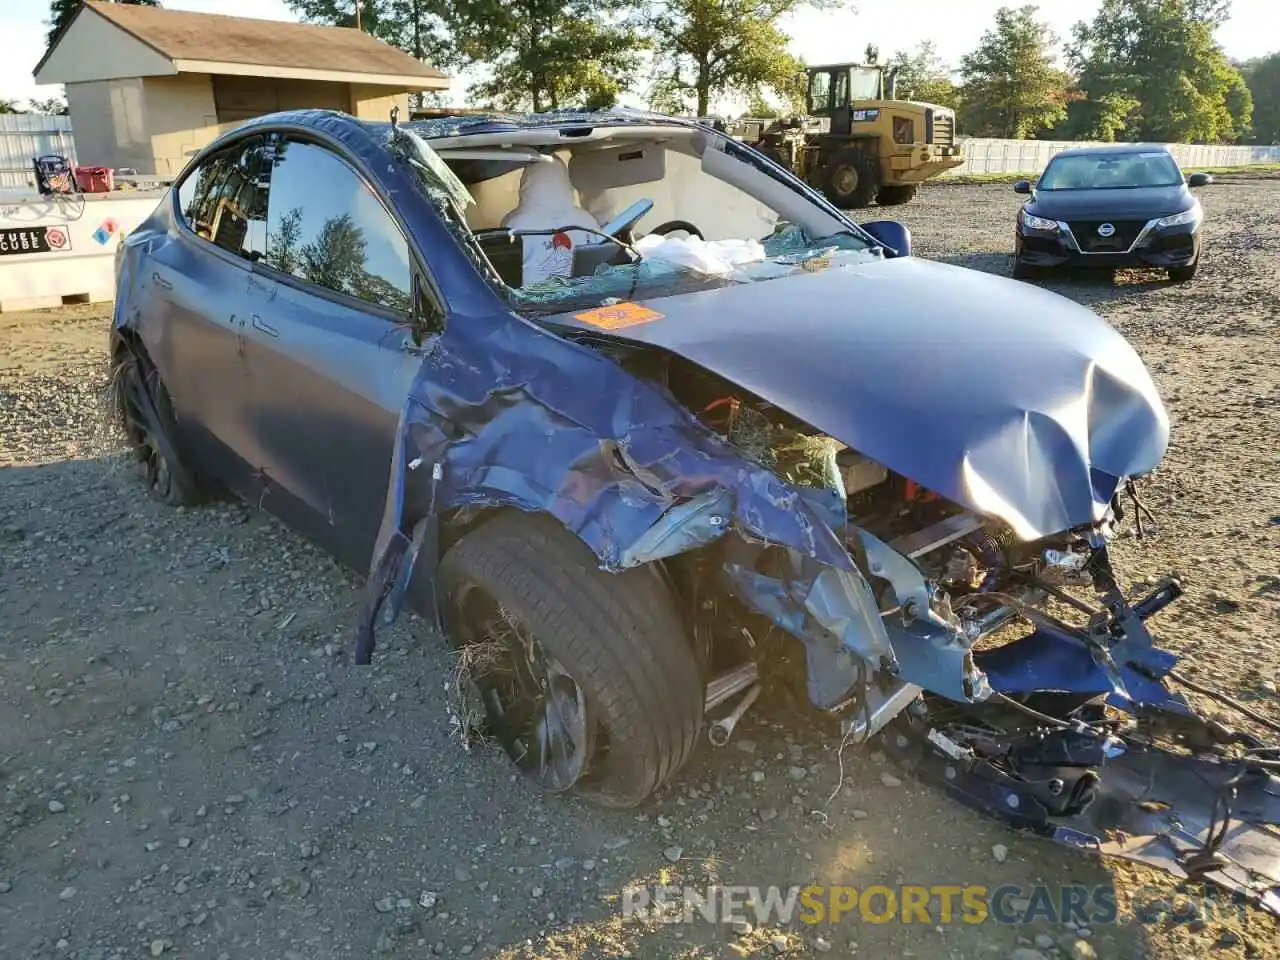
(180, 35)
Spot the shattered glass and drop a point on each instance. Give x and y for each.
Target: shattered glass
(789, 251)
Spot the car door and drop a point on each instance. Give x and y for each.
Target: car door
(328, 369)
(197, 279)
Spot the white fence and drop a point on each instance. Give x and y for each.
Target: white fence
(27, 135)
(1030, 156)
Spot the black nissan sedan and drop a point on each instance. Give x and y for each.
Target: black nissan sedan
(1113, 206)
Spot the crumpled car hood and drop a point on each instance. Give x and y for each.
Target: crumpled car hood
(1000, 396)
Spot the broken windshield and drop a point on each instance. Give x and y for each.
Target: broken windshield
(672, 265)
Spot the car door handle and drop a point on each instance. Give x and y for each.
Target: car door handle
(268, 329)
(161, 282)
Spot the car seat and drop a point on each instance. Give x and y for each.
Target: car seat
(547, 202)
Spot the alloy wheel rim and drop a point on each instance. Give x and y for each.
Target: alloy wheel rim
(846, 180)
(533, 706)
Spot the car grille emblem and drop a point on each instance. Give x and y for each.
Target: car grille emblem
(1105, 229)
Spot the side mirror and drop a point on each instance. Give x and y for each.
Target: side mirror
(1022, 186)
(892, 235)
(1199, 180)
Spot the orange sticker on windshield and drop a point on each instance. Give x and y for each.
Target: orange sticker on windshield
(618, 316)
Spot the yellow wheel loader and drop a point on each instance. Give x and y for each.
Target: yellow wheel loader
(857, 143)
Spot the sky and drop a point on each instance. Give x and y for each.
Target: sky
(955, 26)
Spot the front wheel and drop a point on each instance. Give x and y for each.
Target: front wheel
(1184, 273)
(1023, 272)
(851, 178)
(585, 678)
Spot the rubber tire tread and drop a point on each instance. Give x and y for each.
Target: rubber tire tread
(618, 634)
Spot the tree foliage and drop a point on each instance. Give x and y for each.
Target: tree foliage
(710, 48)
(923, 75)
(1012, 87)
(549, 54)
(1151, 70)
(54, 106)
(418, 27)
(1263, 79)
(61, 12)
(537, 54)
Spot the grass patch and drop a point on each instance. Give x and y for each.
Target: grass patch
(987, 177)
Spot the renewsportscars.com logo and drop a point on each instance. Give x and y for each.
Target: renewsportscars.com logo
(912, 903)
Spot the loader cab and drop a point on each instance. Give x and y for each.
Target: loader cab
(836, 91)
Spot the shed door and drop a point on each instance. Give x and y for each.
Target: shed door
(242, 98)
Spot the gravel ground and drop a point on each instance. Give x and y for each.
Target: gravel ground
(189, 769)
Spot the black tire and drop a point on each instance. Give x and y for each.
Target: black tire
(135, 381)
(1186, 273)
(851, 178)
(617, 635)
(896, 195)
(1023, 272)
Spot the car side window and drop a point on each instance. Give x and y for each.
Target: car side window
(326, 226)
(225, 199)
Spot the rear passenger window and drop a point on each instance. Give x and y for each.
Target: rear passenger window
(327, 227)
(225, 199)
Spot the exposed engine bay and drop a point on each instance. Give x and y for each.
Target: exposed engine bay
(1077, 736)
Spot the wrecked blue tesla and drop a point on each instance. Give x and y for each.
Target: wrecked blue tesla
(636, 415)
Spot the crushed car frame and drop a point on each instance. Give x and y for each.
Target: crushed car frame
(630, 475)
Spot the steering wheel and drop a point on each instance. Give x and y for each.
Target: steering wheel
(672, 226)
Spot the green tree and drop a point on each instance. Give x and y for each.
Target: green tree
(335, 259)
(923, 75)
(1104, 118)
(282, 242)
(1263, 79)
(418, 27)
(1012, 87)
(1157, 63)
(55, 106)
(10, 106)
(61, 12)
(548, 54)
(709, 48)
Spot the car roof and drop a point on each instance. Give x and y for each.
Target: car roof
(1114, 149)
(462, 125)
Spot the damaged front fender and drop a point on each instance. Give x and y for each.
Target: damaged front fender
(628, 471)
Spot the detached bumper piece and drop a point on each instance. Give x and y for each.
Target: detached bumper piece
(1137, 775)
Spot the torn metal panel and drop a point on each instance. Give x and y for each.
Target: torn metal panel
(1204, 818)
(1012, 401)
(636, 478)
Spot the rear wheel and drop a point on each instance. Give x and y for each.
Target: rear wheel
(851, 178)
(586, 678)
(146, 414)
(893, 196)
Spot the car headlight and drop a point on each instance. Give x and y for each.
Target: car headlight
(1032, 222)
(1194, 215)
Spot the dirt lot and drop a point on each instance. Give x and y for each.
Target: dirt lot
(188, 768)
